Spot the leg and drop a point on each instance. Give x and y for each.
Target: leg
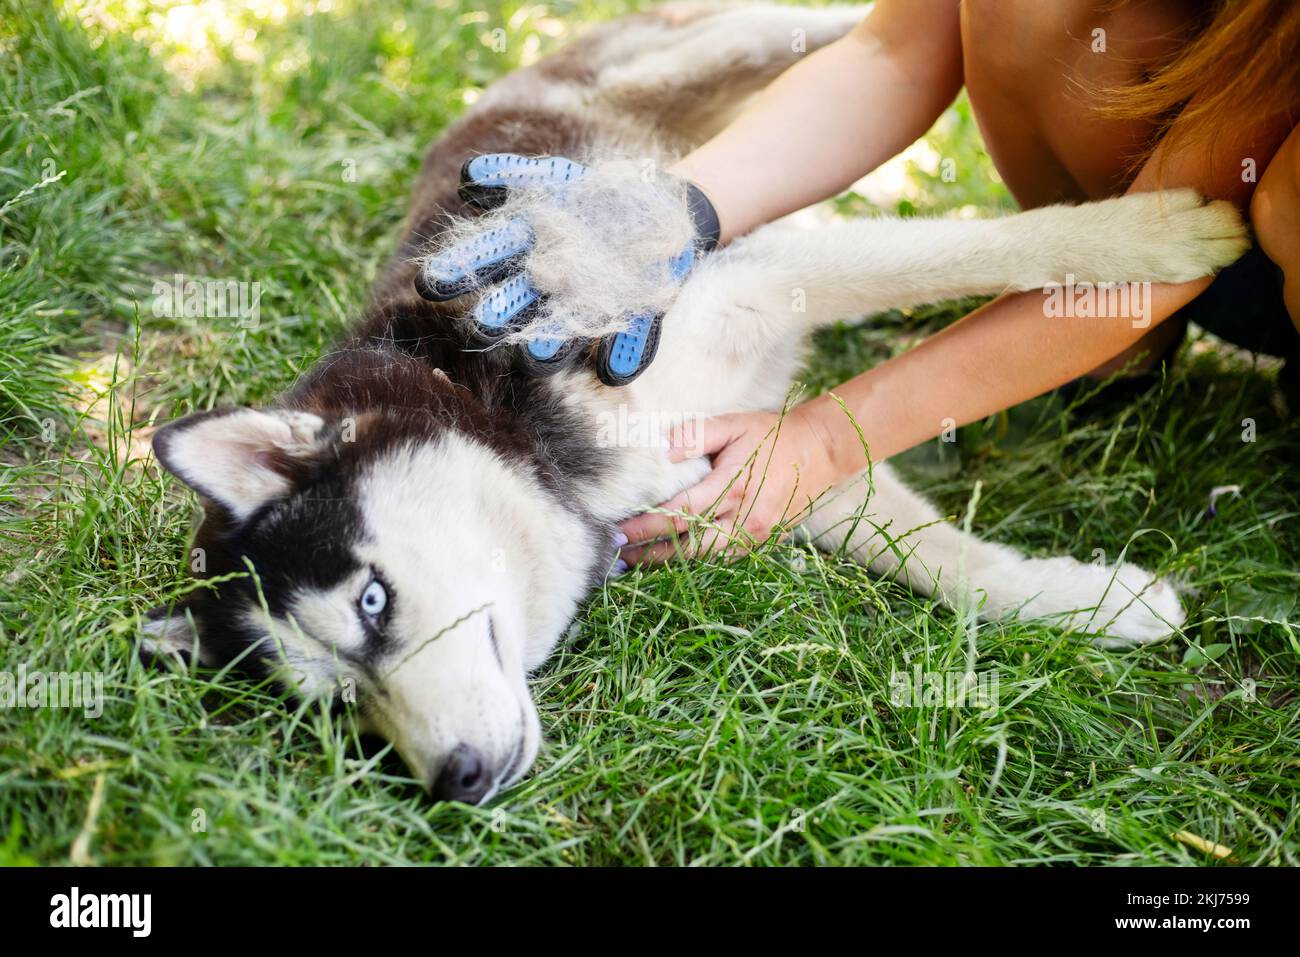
(892, 530)
(853, 269)
(1275, 214)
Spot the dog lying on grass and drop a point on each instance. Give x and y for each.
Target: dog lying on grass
(418, 519)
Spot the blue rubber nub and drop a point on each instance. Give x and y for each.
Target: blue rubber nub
(485, 179)
(547, 355)
(625, 355)
(681, 264)
(545, 350)
(502, 308)
(511, 169)
(485, 259)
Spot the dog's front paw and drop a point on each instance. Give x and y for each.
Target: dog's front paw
(1178, 236)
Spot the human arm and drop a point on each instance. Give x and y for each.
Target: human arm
(834, 117)
(1004, 353)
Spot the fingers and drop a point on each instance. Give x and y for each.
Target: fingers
(485, 180)
(545, 354)
(719, 491)
(712, 491)
(651, 553)
(489, 257)
(504, 308)
(650, 526)
(725, 541)
(693, 438)
(625, 355)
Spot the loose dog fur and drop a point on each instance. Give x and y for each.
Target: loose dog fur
(420, 522)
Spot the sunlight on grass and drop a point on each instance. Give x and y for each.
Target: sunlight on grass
(946, 170)
(193, 39)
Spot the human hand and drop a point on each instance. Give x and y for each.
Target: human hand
(767, 472)
(575, 252)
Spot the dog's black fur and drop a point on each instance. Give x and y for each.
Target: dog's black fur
(407, 372)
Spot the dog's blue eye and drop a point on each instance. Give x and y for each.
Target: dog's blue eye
(374, 599)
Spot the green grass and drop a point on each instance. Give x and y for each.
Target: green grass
(704, 714)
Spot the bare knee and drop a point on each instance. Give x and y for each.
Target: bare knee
(1275, 207)
(1275, 216)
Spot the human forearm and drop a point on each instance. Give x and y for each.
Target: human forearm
(1004, 353)
(837, 115)
(1011, 349)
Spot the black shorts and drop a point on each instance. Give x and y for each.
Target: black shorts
(1244, 306)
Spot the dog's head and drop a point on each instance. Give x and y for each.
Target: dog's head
(379, 560)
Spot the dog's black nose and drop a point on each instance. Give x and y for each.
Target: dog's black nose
(464, 777)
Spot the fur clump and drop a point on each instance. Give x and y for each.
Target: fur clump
(603, 246)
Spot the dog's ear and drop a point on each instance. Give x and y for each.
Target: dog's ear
(169, 634)
(240, 458)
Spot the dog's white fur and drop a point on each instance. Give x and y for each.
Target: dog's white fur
(466, 540)
(733, 342)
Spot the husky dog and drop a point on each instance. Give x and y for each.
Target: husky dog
(419, 520)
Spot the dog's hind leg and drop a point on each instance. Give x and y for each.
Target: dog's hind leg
(882, 524)
(686, 69)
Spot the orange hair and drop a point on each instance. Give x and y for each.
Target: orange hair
(1243, 61)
